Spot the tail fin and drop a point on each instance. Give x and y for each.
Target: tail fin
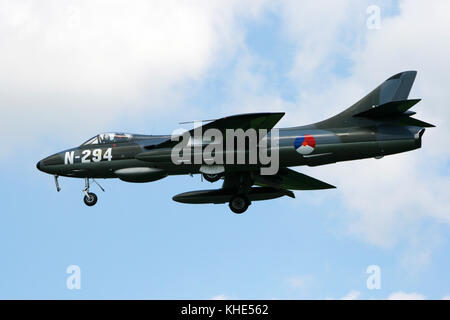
(396, 88)
(389, 101)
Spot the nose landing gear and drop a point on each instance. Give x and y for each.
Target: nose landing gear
(58, 188)
(90, 198)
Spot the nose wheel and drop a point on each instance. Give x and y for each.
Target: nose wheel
(90, 198)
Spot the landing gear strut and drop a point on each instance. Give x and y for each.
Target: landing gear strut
(90, 198)
(58, 188)
(239, 204)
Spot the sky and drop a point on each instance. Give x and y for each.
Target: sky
(72, 69)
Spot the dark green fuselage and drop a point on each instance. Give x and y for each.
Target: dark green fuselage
(371, 140)
(378, 125)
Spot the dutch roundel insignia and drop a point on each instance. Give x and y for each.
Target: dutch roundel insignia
(305, 144)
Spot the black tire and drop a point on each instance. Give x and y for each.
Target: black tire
(239, 204)
(212, 177)
(91, 200)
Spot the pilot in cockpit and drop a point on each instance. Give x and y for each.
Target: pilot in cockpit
(106, 138)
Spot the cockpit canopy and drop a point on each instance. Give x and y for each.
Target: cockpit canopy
(110, 137)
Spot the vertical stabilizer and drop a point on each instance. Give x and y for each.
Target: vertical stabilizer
(389, 98)
(396, 88)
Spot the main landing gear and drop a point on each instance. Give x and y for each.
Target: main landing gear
(239, 204)
(90, 198)
(212, 177)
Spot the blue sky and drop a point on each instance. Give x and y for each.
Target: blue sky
(107, 69)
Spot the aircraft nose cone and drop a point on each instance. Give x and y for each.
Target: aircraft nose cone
(50, 164)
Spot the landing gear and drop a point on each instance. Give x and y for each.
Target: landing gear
(239, 204)
(212, 177)
(90, 198)
(58, 188)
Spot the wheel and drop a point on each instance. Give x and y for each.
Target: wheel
(239, 204)
(91, 200)
(212, 177)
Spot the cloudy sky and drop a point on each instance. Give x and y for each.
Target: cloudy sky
(71, 69)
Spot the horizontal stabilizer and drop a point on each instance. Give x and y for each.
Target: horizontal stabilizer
(292, 180)
(408, 121)
(393, 108)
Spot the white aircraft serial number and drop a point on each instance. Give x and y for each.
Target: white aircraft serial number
(88, 155)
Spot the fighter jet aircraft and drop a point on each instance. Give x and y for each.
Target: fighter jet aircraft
(378, 125)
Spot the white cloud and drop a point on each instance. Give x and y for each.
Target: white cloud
(384, 201)
(319, 43)
(300, 282)
(447, 297)
(400, 295)
(399, 191)
(70, 65)
(352, 295)
(388, 200)
(220, 297)
(418, 257)
(318, 47)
